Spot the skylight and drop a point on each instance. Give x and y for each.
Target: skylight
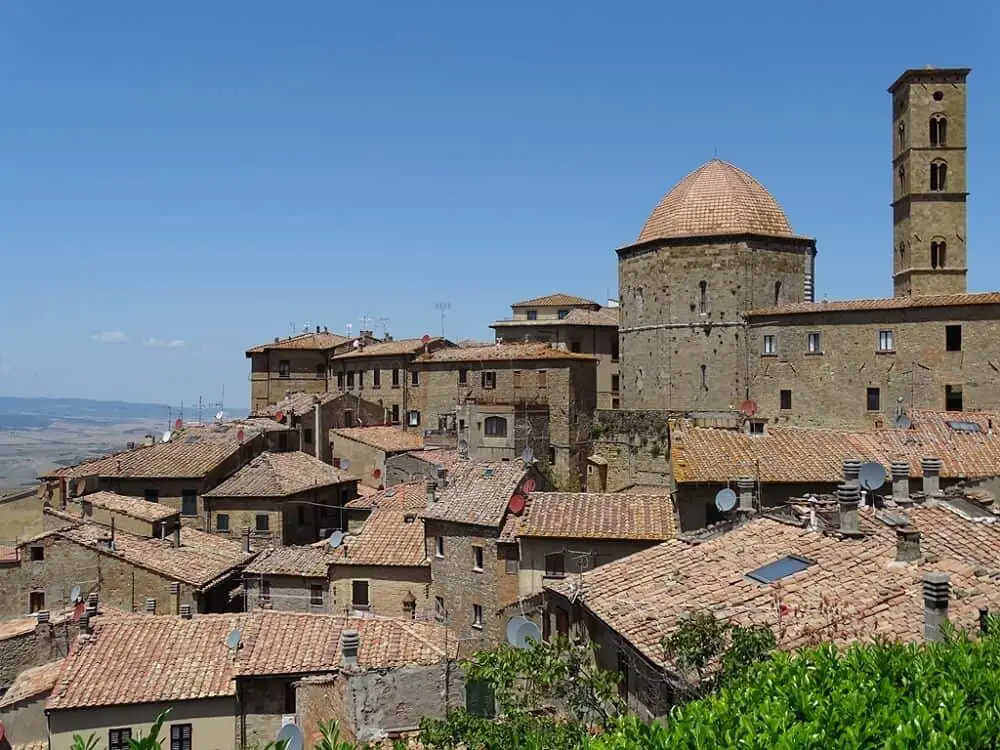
(779, 569)
(965, 426)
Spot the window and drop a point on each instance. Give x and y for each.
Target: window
(477, 558)
(350, 380)
(532, 314)
(510, 559)
(552, 455)
(413, 418)
(777, 292)
(886, 342)
(939, 175)
(489, 381)
(902, 178)
(495, 427)
(463, 375)
(361, 379)
(953, 338)
(562, 621)
(265, 591)
(779, 569)
(395, 378)
(263, 522)
(812, 345)
(152, 496)
(395, 413)
(542, 378)
(340, 380)
(289, 698)
(439, 546)
(703, 297)
(414, 377)
(479, 699)
(477, 616)
(562, 314)
(939, 130)
(307, 435)
(284, 368)
(180, 737)
(614, 348)
(517, 378)
(320, 371)
(348, 417)
(616, 403)
(316, 594)
(37, 554)
(786, 399)
(953, 398)
(555, 565)
(938, 96)
(873, 399)
(938, 249)
(36, 601)
(222, 522)
(704, 377)
(756, 427)
(902, 249)
(376, 378)
(574, 346)
(901, 134)
(770, 344)
(359, 594)
(189, 502)
(616, 383)
(118, 739)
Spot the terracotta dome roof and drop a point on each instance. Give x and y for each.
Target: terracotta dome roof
(717, 198)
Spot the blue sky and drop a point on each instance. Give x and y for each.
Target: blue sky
(179, 181)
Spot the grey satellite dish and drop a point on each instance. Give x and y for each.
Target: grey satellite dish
(527, 633)
(166, 436)
(291, 736)
(513, 627)
(233, 639)
(336, 539)
(74, 595)
(345, 464)
(527, 455)
(871, 476)
(725, 500)
(903, 422)
(463, 447)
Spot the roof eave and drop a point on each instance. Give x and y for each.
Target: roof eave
(691, 239)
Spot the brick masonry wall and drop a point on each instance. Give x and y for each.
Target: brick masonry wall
(387, 587)
(386, 394)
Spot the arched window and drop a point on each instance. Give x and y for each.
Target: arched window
(901, 130)
(902, 178)
(704, 377)
(702, 296)
(902, 248)
(938, 250)
(777, 292)
(939, 175)
(939, 130)
(495, 427)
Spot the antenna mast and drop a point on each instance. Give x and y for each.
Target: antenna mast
(384, 322)
(443, 308)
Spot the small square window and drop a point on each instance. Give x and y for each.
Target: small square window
(562, 314)
(953, 338)
(361, 379)
(284, 368)
(180, 737)
(489, 380)
(359, 595)
(873, 399)
(575, 347)
(413, 418)
(953, 398)
(320, 371)
(376, 378)
(316, 595)
(439, 546)
(37, 554)
(350, 380)
(414, 377)
(477, 616)
(510, 559)
(477, 558)
(340, 380)
(786, 399)
(517, 378)
(152, 496)
(222, 522)
(616, 383)
(118, 739)
(813, 344)
(263, 522)
(616, 403)
(189, 503)
(555, 565)
(770, 344)
(395, 413)
(36, 601)
(756, 427)
(886, 341)
(532, 314)
(395, 378)
(542, 378)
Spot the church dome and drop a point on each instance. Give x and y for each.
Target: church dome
(716, 199)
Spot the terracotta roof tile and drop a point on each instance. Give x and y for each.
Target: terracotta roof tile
(385, 438)
(390, 536)
(406, 496)
(400, 347)
(593, 515)
(280, 475)
(126, 505)
(554, 300)
(853, 589)
(887, 303)
(32, 683)
(445, 457)
(14, 627)
(312, 561)
(168, 659)
(716, 199)
(322, 341)
(478, 493)
(504, 352)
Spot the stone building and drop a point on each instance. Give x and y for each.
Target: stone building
(573, 323)
(283, 498)
(504, 398)
(312, 416)
(364, 451)
(289, 579)
(419, 464)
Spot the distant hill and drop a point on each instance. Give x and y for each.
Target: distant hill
(38, 413)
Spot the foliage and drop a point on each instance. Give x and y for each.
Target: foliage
(596, 431)
(84, 743)
(150, 741)
(330, 737)
(517, 732)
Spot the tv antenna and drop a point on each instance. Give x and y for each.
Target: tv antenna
(384, 322)
(443, 308)
(365, 321)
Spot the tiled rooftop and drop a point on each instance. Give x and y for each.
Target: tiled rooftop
(478, 493)
(385, 438)
(14, 627)
(853, 588)
(800, 454)
(126, 505)
(504, 352)
(397, 348)
(390, 536)
(191, 660)
(716, 199)
(31, 683)
(593, 515)
(445, 457)
(554, 300)
(311, 561)
(312, 340)
(300, 403)
(406, 496)
(280, 475)
(886, 303)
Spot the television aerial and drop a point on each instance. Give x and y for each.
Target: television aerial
(528, 454)
(463, 447)
(725, 500)
(166, 436)
(290, 737)
(521, 631)
(233, 639)
(871, 476)
(74, 595)
(336, 539)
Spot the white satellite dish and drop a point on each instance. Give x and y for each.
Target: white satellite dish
(290, 737)
(521, 631)
(345, 464)
(336, 539)
(725, 500)
(74, 595)
(528, 454)
(219, 416)
(871, 476)
(233, 639)
(166, 436)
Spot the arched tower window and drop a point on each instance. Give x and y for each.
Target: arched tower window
(902, 178)
(939, 130)
(939, 175)
(902, 249)
(702, 296)
(901, 134)
(938, 250)
(704, 377)
(777, 292)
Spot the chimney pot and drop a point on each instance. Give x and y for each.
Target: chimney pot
(43, 616)
(177, 536)
(931, 468)
(907, 544)
(745, 485)
(852, 468)
(350, 643)
(937, 589)
(901, 482)
(317, 329)
(92, 598)
(849, 496)
(151, 605)
(185, 611)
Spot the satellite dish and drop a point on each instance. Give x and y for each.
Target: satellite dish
(513, 626)
(291, 736)
(336, 539)
(516, 504)
(219, 415)
(903, 422)
(463, 447)
(871, 476)
(524, 633)
(748, 408)
(74, 595)
(166, 436)
(345, 464)
(178, 423)
(528, 485)
(425, 339)
(725, 500)
(528, 454)
(233, 639)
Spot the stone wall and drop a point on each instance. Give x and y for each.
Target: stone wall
(288, 593)
(636, 446)
(385, 394)
(579, 555)
(307, 374)
(387, 587)
(263, 701)
(25, 643)
(291, 520)
(363, 459)
(20, 516)
(324, 698)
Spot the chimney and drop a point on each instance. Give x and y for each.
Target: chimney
(901, 482)
(43, 616)
(92, 602)
(85, 623)
(148, 441)
(151, 605)
(849, 496)
(907, 544)
(852, 467)
(936, 591)
(317, 329)
(745, 485)
(175, 597)
(431, 491)
(442, 478)
(931, 468)
(177, 536)
(350, 642)
(245, 534)
(185, 611)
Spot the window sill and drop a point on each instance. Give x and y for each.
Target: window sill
(885, 351)
(815, 354)
(769, 354)
(477, 627)
(438, 557)
(477, 570)
(555, 576)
